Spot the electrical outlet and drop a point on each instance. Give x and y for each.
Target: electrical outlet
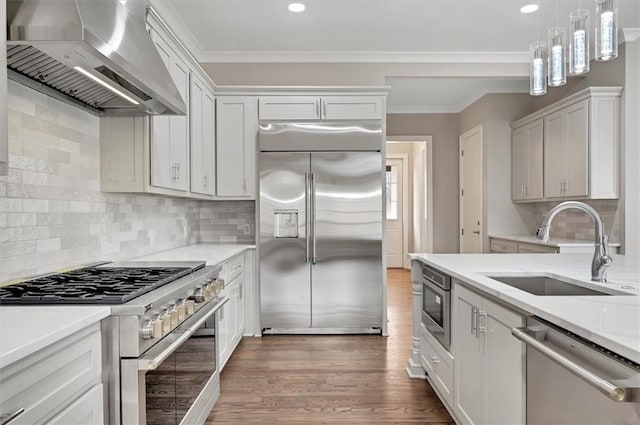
(246, 229)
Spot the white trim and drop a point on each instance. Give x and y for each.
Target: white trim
(422, 110)
(404, 158)
(167, 13)
(630, 34)
(296, 90)
(363, 57)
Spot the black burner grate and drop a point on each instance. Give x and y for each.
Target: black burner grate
(91, 285)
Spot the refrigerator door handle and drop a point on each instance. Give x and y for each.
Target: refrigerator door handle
(313, 218)
(307, 216)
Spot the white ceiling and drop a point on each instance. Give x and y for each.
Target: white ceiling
(437, 95)
(392, 31)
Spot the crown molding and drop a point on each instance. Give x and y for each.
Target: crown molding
(421, 109)
(167, 12)
(364, 57)
(630, 34)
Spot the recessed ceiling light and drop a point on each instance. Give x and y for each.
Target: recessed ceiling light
(297, 7)
(529, 8)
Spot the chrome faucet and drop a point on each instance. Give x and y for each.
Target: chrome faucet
(601, 259)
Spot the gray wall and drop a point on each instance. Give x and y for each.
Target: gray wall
(53, 215)
(444, 130)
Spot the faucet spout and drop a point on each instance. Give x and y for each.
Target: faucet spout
(601, 259)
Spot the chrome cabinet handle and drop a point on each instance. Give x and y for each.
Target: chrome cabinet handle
(612, 391)
(481, 328)
(434, 360)
(474, 319)
(324, 108)
(6, 418)
(317, 103)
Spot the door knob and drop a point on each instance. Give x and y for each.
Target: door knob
(477, 232)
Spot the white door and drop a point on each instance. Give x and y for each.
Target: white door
(471, 232)
(395, 224)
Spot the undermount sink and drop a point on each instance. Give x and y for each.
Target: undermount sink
(545, 285)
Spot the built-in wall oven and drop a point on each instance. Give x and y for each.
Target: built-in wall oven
(436, 304)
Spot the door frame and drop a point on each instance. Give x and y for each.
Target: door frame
(465, 135)
(427, 235)
(405, 195)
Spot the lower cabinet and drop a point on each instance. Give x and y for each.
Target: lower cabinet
(61, 384)
(490, 367)
(438, 363)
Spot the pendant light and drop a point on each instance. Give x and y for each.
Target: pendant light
(538, 71)
(606, 30)
(557, 70)
(579, 42)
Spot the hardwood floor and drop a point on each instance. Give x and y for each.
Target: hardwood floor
(330, 379)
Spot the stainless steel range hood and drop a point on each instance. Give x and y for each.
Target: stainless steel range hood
(94, 52)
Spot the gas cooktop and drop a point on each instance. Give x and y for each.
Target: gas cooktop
(91, 285)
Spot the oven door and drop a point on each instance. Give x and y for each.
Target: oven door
(436, 311)
(176, 381)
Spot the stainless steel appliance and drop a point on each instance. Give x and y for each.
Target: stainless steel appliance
(321, 215)
(72, 49)
(160, 357)
(436, 304)
(572, 381)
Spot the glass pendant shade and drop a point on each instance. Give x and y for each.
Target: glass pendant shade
(606, 30)
(579, 42)
(538, 71)
(557, 72)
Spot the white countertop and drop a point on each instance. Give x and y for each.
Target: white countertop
(27, 329)
(213, 254)
(612, 321)
(554, 242)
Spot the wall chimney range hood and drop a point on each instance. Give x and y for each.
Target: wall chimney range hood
(92, 53)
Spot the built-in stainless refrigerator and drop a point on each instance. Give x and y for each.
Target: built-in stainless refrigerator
(320, 244)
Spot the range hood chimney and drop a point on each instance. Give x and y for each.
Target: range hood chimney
(94, 52)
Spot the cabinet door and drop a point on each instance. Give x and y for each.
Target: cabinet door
(469, 359)
(289, 108)
(577, 124)
(202, 132)
(505, 366)
(535, 142)
(529, 248)
(352, 108)
(519, 163)
(179, 127)
(555, 154)
(241, 320)
(88, 409)
(237, 127)
(162, 167)
(223, 336)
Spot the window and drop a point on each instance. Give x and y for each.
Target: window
(392, 192)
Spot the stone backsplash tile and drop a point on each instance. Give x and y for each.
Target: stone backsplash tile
(53, 215)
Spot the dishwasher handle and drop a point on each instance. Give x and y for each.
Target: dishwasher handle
(609, 389)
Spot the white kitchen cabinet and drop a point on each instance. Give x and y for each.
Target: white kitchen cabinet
(490, 367)
(438, 363)
(321, 107)
(4, 141)
(236, 139)
(203, 138)
(51, 384)
(170, 134)
(581, 148)
(224, 331)
(527, 162)
(566, 152)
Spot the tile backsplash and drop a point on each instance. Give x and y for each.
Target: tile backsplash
(574, 224)
(53, 215)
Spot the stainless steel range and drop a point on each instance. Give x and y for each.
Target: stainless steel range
(160, 357)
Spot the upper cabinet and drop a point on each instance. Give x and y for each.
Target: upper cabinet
(170, 155)
(4, 142)
(321, 107)
(579, 139)
(237, 132)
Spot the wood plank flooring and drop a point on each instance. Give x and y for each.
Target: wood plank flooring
(330, 379)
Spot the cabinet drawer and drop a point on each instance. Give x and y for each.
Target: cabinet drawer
(86, 410)
(438, 364)
(529, 248)
(504, 247)
(47, 381)
(234, 268)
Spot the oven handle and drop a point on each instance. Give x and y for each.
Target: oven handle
(152, 360)
(612, 391)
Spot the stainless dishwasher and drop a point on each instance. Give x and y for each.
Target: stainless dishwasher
(571, 381)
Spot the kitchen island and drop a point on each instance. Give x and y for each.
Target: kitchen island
(482, 312)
